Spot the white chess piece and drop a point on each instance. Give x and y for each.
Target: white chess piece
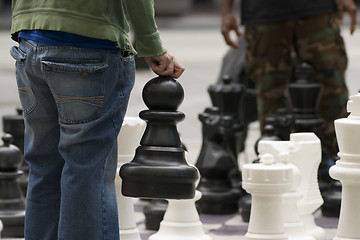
(305, 154)
(266, 182)
(128, 140)
(181, 221)
(347, 170)
(294, 226)
(1, 227)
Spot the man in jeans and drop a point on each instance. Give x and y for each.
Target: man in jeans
(75, 71)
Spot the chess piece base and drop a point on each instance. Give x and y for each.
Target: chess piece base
(254, 236)
(219, 202)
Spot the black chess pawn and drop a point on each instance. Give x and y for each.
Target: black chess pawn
(283, 121)
(12, 202)
(269, 134)
(159, 168)
(154, 213)
(14, 125)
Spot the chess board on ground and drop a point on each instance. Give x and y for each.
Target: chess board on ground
(227, 227)
(221, 227)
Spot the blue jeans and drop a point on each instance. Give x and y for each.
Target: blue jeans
(74, 101)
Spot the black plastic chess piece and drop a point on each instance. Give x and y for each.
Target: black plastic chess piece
(305, 95)
(12, 202)
(159, 168)
(268, 135)
(332, 200)
(283, 121)
(14, 125)
(154, 213)
(220, 182)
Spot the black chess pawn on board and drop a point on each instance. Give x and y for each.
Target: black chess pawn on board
(12, 202)
(154, 213)
(220, 182)
(14, 125)
(283, 121)
(159, 168)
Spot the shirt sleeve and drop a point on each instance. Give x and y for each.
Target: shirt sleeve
(141, 15)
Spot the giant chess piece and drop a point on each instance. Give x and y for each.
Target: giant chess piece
(283, 121)
(266, 182)
(12, 202)
(14, 125)
(347, 170)
(305, 154)
(181, 221)
(159, 168)
(294, 226)
(305, 96)
(154, 213)
(220, 182)
(128, 139)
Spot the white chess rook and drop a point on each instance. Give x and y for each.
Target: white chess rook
(305, 154)
(128, 139)
(347, 170)
(266, 182)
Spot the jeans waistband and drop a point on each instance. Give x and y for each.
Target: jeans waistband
(34, 45)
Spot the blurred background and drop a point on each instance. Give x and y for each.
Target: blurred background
(190, 30)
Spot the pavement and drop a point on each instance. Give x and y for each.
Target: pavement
(195, 40)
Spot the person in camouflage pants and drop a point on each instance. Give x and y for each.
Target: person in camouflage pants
(282, 33)
(269, 61)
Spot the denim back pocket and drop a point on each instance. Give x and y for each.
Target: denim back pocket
(26, 95)
(77, 87)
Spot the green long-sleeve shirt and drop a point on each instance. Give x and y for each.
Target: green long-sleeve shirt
(109, 19)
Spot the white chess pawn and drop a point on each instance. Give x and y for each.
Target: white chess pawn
(181, 221)
(128, 140)
(294, 226)
(266, 182)
(347, 170)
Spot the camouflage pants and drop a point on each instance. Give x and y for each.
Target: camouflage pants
(270, 58)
